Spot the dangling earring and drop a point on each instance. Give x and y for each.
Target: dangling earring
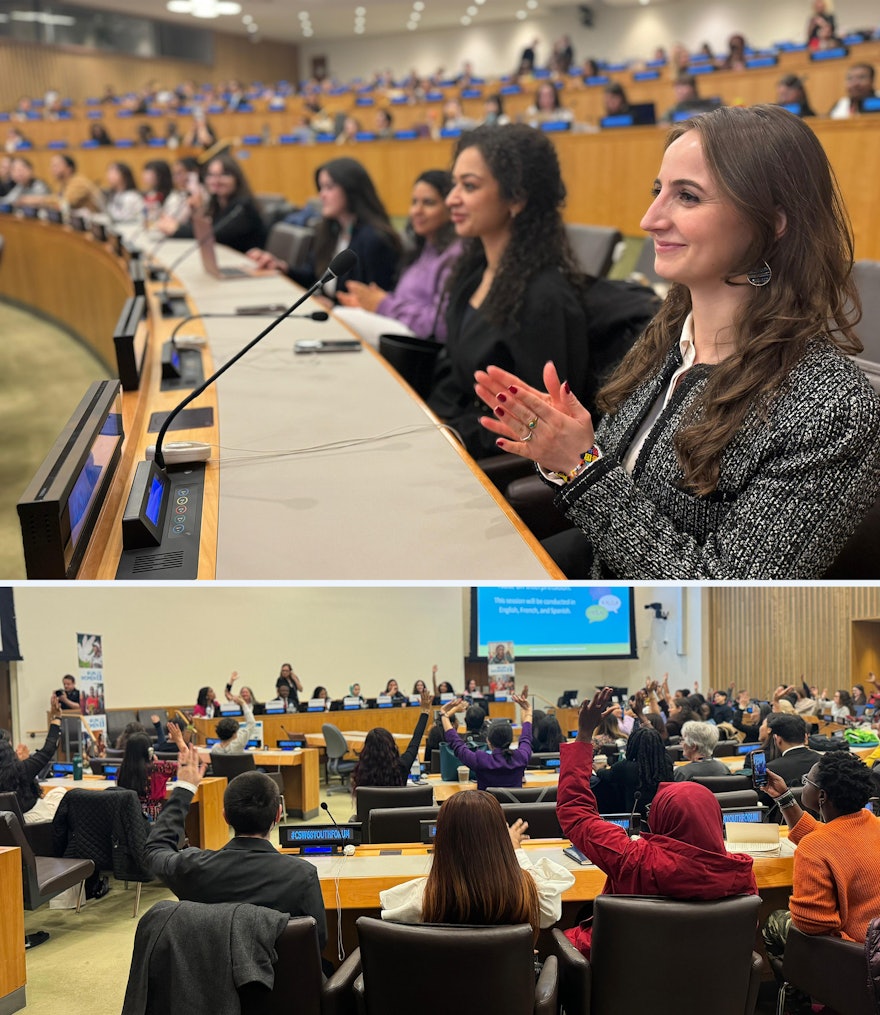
(760, 277)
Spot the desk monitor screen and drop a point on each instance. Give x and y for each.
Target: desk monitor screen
(143, 520)
(290, 745)
(745, 748)
(617, 819)
(751, 815)
(60, 769)
(211, 742)
(319, 838)
(130, 341)
(253, 745)
(111, 771)
(428, 831)
(60, 506)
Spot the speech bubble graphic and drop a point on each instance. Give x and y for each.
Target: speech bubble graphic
(596, 613)
(611, 603)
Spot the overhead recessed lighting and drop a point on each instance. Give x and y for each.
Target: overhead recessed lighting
(303, 15)
(204, 8)
(307, 32)
(359, 29)
(412, 25)
(246, 19)
(42, 18)
(252, 28)
(418, 6)
(472, 11)
(415, 16)
(360, 10)
(521, 15)
(531, 4)
(465, 20)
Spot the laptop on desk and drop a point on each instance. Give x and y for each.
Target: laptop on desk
(203, 231)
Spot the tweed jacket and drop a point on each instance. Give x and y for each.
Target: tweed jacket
(794, 482)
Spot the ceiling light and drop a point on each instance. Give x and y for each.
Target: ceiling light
(246, 19)
(415, 16)
(418, 6)
(44, 19)
(531, 4)
(360, 11)
(521, 15)
(308, 33)
(252, 28)
(472, 11)
(465, 20)
(412, 25)
(359, 29)
(303, 15)
(204, 8)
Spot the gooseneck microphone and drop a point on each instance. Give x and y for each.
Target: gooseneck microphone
(223, 221)
(315, 315)
(635, 819)
(341, 265)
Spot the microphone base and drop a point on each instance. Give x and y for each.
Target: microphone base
(174, 305)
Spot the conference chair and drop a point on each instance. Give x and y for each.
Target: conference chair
(398, 824)
(708, 936)
(737, 798)
(337, 748)
(228, 766)
(594, 247)
(43, 877)
(435, 761)
(724, 783)
(830, 970)
(117, 720)
(38, 834)
(290, 243)
(726, 749)
(108, 828)
(675, 753)
(538, 759)
(298, 981)
(523, 794)
(368, 798)
(542, 819)
(412, 358)
(398, 960)
(644, 266)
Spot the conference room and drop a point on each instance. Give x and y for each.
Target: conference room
(560, 642)
(275, 491)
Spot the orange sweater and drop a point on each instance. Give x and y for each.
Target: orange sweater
(835, 888)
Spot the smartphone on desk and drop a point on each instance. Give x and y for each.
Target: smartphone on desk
(759, 769)
(573, 853)
(317, 345)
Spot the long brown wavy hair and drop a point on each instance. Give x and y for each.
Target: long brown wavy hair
(767, 163)
(475, 878)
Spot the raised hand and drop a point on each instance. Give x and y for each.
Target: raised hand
(591, 713)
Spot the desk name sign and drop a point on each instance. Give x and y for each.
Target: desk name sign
(318, 840)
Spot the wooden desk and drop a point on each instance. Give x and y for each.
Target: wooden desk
(13, 969)
(205, 825)
(300, 774)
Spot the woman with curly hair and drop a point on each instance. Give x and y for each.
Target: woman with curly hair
(148, 778)
(516, 292)
(380, 762)
(740, 440)
(479, 873)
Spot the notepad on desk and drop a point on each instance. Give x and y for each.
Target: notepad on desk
(746, 837)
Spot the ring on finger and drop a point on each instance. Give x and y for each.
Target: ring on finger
(527, 437)
(532, 423)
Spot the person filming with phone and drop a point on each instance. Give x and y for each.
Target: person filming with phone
(835, 889)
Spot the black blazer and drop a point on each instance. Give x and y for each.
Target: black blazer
(377, 260)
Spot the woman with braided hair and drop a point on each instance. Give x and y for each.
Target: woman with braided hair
(645, 767)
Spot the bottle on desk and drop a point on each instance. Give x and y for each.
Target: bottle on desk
(77, 767)
(415, 773)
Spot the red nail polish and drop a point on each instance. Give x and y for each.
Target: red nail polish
(566, 388)
(512, 390)
(501, 396)
(499, 443)
(498, 410)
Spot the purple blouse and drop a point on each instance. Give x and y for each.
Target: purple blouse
(416, 299)
(497, 768)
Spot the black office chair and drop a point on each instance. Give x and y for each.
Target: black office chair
(537, 760)
(724, 783)
(712, 935)
(337, 748)
(726, 749)
(737, 798)
(368, 798)
(542, 819)
(107, 828)
(830, 970)
(38, 833)
(412, 358)
(43, 877)
(435, 762)
(675, 752)
(398, 960)
(398, 824)
(523, 794)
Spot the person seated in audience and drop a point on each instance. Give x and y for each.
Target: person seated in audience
(547, 107)
(684, 855)
(475, 726)
(502, 765)
(548, 735)
(806, 704)
(380, 762)
(320, 693)
(351, 127)
(720, 347)
(248, 868)
(493, 111)
(698, 741)
(352, 216)
(418, 297)
(444, 687)
(684, 88)
(16, 140)
(18, 775)
(393, 691)
(736, 54)
(609, 731)
(206, 703)
(722, 710)
(384, 124)
(834, 888)
(839, 707)
(454, 117)
(859, 698)
(125, 203)
(480, 874)
(614, 99)
(227, 190)
(6, 181)
(433, 739)
(98, 133)
(158, 190)
(859, 86)
(185, 177)
(632, 782)
(73, 190)
(200, 135)
(234, 737)
(284, 695)
(24, 183)
(826, 38)
(247, 696)
(788, 735)
(791, 92)
(821, 22)
(140, 772)
(516, 293)
(419, 687)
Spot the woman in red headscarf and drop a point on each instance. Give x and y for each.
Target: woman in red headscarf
(683, 857)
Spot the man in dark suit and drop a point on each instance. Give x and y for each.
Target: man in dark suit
(789, 732)
(248, 868)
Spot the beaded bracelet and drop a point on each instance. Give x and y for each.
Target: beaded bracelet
(587, 458)
(786, 800)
